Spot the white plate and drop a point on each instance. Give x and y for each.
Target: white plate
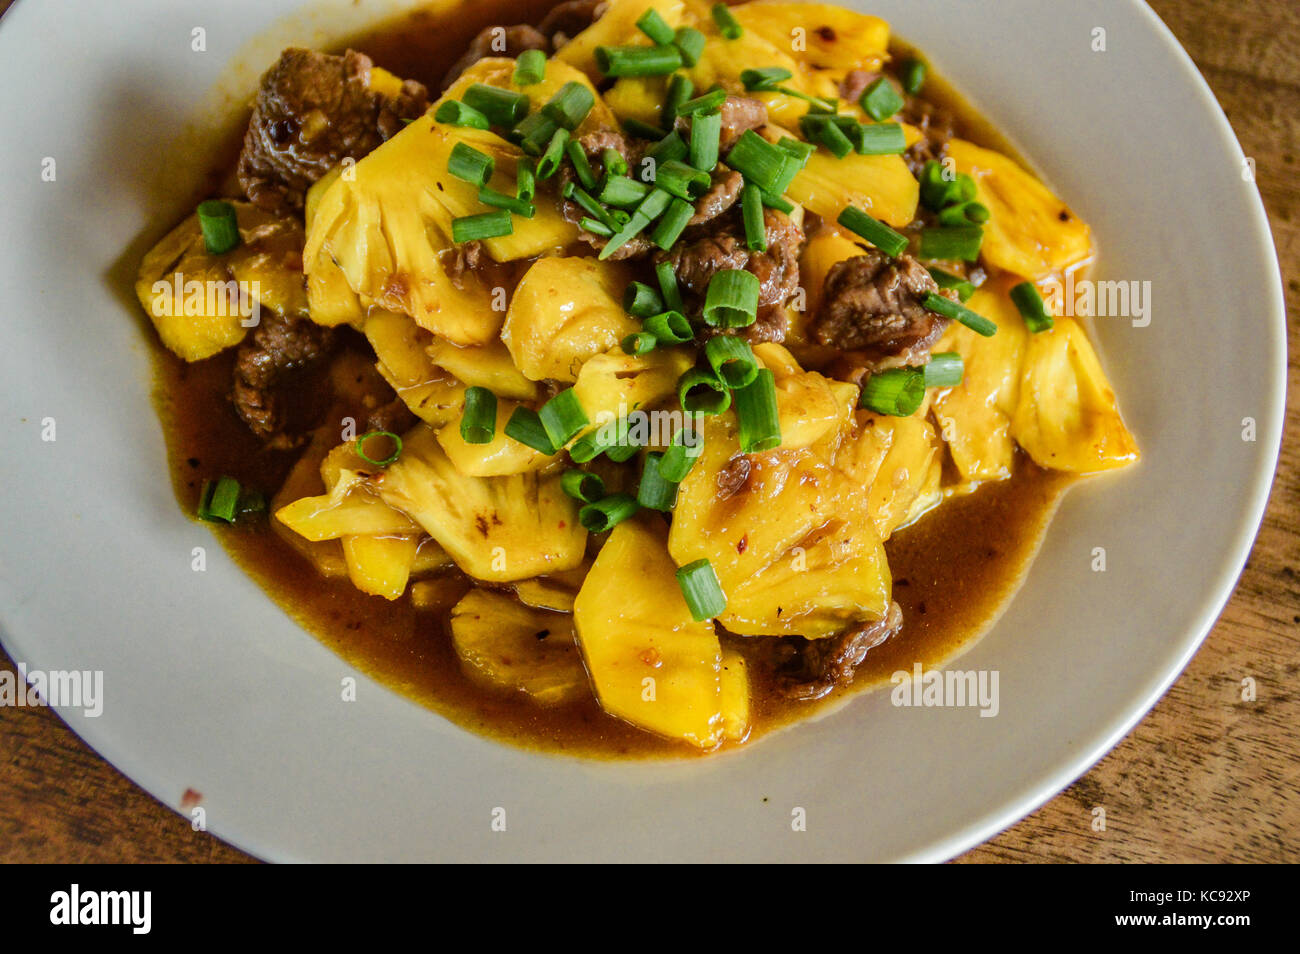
(210, 686)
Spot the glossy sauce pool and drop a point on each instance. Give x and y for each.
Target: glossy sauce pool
(953, 570)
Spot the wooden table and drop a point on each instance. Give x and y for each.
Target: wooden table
(1204, 777)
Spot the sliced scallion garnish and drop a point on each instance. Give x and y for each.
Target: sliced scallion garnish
(950, 309)
(732, 298)
(760, 426)
(219, 225)
(701, 590)
(478, 422)
(877, 233)
(1031, 307)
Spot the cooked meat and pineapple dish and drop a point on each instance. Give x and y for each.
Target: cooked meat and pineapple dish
(597, 375)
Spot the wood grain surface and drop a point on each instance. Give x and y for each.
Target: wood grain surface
(1205, 777)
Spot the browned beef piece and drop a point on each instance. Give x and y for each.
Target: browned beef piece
(498, 41)
(720, 243)
(855, 83)
(567, 20)
(872, 304)
(312, 111)
(937, 127)
(820, 665)
(739, 114)
(770, 325)
(277, 348)
(721, 196)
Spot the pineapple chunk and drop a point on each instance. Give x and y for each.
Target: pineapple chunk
(433, 394)
(611, 386)
(499, 529)
(882, 186)
(831, 37)
(898, 460)
(1066, 417)
(1030, 231)
(380, 566)
(735, 696)
(500, 646)
(809, 406)
(439, 594)
(486, 366)
(304, 480)
(637, 97)
(350, 508)
(555, 592)
(794, 549)
(564, 311)
(202, 304)
(650, 663)
(616, 27)
(975, 416)
(500, 456)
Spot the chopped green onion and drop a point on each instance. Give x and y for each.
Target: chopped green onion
(502, 107)
(595, 226)
(360, 447)
(534, 133)
(897, 392)
(799, 150)
(455, 113)
(877, 233)
(642, 130)
(706, 133)
(690, 44)
(681, 457)
(732, 360)
(526, 427)
(250, 501)
(760, 162)
(944, 370)
(760, 426)
(673, 223)
(641, 300)
(485, 225)
(950, 309)
(701, 589)
(732, 298)
(680, 89)
(638, 60)
(832, 137)
(499, 200)
(655, 492)
(219, 500)
(780, 203)
(1030, 305)
(878, 139)
(654, 26)
(525, 178)
(469, 164)
(563, 417)
(681, 180)
(622, 191)
(570, 105)
(583, 486)
(765, 78)
(704, 103)
(550, 162)
(952, 244)
(944, 279)
(640, 342)
(912, 73)
(530, 68)
(581, 165)
(478, 422)
(594, 443)
(669, 328)
(613, 162)
(220, 226)
(751, 209)
(584, 199)
(672, 147)
(727, 24)
(651, 207)
(963, 214)
(668, 286)
(702, 392)
(880, 100)
(607, 512)
(938, 191)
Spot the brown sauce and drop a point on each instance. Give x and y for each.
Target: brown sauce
(954, 569)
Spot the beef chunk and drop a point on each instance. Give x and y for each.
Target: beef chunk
(739, 114)
(277, 348)
(721, 196)
(872, 303)
(937, 127)
(498, 41)
(720, 243)
(312, 111)
(567, 20)
(820, 665)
